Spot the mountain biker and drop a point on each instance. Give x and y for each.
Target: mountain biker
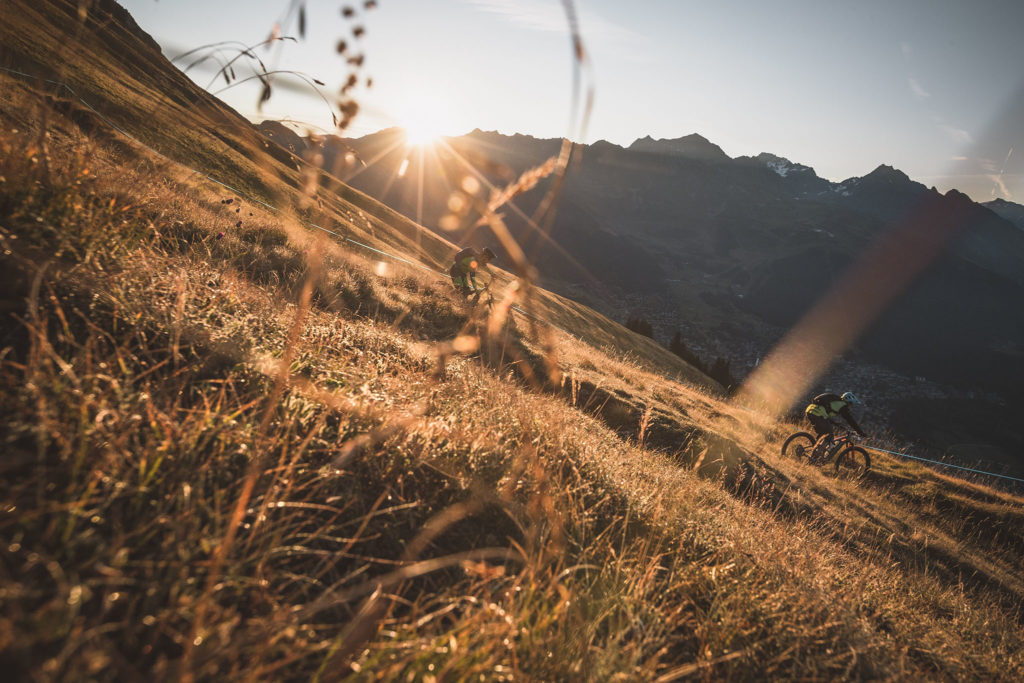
(468, 263)
(824, 408)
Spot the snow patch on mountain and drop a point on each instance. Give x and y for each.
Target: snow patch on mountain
(847, 187)
(781, 166)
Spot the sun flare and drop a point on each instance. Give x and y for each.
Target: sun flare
(421, 132)
(425, 116)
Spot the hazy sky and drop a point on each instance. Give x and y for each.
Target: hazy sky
(932, 87)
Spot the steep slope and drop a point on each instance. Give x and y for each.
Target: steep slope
(259, 451)
(241, 158)
(735, 251)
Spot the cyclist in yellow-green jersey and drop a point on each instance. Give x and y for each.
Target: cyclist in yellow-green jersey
(468, 263)
(824, 408)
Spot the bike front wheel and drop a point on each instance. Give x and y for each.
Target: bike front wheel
(798, 445)
(853, 463)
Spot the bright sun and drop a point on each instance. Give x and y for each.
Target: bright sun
(421, 131)
(425, 117)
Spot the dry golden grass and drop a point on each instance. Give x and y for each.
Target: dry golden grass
(230, 452)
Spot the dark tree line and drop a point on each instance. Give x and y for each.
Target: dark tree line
(719, 370)
(679, 347)
(640, 326)
(722, 373)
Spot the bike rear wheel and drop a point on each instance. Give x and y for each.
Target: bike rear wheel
(798, 445)
(852, 463)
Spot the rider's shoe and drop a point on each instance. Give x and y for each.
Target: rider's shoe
(821, 447)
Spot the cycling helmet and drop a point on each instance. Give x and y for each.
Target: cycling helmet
(487, 254)
(851, 398)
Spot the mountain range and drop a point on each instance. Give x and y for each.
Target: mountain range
(734, 251)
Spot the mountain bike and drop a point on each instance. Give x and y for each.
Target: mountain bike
(849, 459)
(481, 297)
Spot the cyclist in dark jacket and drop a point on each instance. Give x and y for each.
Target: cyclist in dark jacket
(825, 407)
(468, 263)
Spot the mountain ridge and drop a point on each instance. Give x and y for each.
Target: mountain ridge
(733, 251)
(1011, 211)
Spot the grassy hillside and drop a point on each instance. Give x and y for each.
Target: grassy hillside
(237, 447)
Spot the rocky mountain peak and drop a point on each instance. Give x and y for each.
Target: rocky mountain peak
(1008, 210)
(781, 165)
(888, 174)
(693, 146)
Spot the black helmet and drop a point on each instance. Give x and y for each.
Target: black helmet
(487, 254)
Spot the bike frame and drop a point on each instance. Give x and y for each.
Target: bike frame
(837, 444)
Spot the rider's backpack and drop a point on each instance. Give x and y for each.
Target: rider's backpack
(465, 253)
